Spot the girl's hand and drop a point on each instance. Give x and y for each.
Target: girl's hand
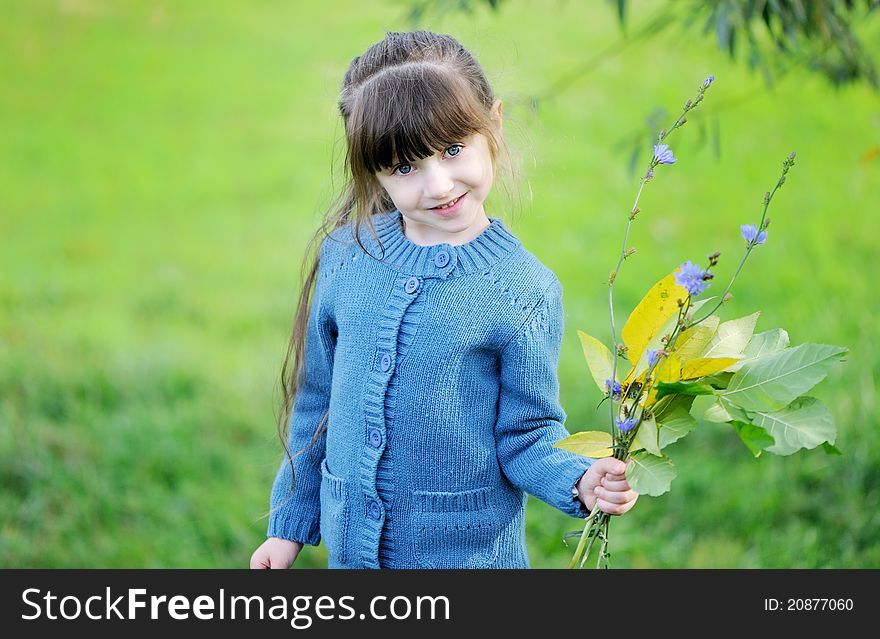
(275, 553)
(606, 483)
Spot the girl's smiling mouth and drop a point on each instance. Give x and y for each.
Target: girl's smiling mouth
(451, 207)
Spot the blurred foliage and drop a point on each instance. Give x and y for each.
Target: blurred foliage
(814, 34)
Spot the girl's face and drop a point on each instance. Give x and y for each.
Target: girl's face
(462, 170)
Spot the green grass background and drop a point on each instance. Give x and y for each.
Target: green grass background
(162, 165)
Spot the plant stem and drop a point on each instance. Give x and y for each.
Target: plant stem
(591, 518)
(788, 163)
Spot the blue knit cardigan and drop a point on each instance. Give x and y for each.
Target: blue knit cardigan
(438, 365)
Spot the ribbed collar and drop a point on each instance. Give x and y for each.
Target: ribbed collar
(488, 248)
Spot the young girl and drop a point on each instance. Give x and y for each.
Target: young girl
(423, 374)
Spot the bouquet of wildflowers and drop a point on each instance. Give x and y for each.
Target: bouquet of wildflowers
(685, 361)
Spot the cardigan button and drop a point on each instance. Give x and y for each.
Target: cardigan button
(375, 511)
(375, 438)
(441, 259)
(412, 285)
(386, 362)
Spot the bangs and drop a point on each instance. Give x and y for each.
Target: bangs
(410, 113)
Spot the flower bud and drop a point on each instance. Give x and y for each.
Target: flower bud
(629, 252)
(765, 224)
(727, 297)
(611, 277)
(681, 122)
(663, 133)
(634, 212)
(767, 197)
(688, 104)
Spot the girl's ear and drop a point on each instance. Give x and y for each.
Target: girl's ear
(498, 113)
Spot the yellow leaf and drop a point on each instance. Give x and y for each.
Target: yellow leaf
(650, 315)
(706, 366)
(598, 359)
(695, 339)
(590, 443)
(668, 370)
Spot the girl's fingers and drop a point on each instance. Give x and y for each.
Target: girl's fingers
(617, 486)
(616, 497)
(612, 508)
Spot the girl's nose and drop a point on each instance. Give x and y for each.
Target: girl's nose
(438, 183)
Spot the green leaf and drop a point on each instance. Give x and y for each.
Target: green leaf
(831, 449)
(590, 443)
(755, 437)
(722, 410)
(766, 343)
(648, 474)
(647, 438)
(673, 418)
(763, 344)
(772, 382)
(731, 337)
(805, 423)
(683, 388)
(598, 359)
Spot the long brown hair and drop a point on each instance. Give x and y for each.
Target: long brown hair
(406, 97)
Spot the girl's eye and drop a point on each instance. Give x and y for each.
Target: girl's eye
(399, 168)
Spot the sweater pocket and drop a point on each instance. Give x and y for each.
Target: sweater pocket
(334, 515)
(455, 530)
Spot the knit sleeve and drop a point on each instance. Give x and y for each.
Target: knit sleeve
(530, 417)
(296, 515)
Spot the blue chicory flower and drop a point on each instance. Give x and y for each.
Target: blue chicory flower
(663, 154)
(626, 424)
(708, 81)
(615, 393)
(691, 277)
(652, 357)
(750, 234)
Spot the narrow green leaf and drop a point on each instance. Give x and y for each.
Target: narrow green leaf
(683, 388)
(805, 423)
(773, 382)
(648, 474)
(755, 437)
